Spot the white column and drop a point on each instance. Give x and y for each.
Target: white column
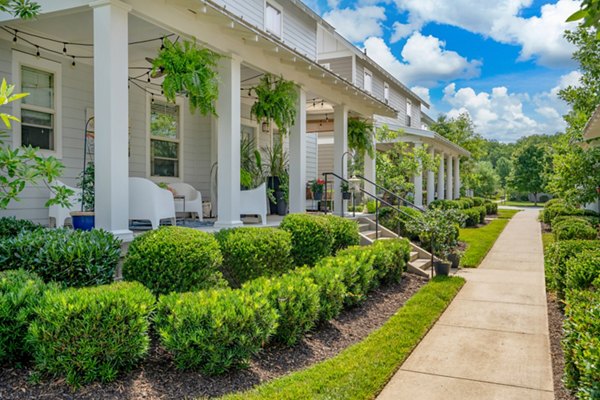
(340, 146)
(430, 181)
(456, 177)
(440, 181)
(370, 171)
(297, 157)
(449, 191)
(111, 110)
(418, 181)
(228, 137)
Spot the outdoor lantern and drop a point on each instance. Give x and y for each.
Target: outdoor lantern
(355, 182)
(265, 127)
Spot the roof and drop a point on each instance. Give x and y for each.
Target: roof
(591, 131)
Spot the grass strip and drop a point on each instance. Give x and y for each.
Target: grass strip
(507, 213)
(479, 241)
(362, 370)
(521, 204)
(547, 240)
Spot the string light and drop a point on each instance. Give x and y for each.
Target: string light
(73, 63)
(149, 80)
(37, 53)
(64, 48)
(15, 38)
(152, 99)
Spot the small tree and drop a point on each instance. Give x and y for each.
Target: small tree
(528, 169)
(485, 179)
(503, 169)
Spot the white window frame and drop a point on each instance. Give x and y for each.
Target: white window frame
(180, 103)
(370, 75)
(386, 93)
(19, 60)
(408, 112)
(270, 3)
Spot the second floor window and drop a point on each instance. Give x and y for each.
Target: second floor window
(408, 113)
(368, 84)
(273, 19)
(386, 93)
(164, 139)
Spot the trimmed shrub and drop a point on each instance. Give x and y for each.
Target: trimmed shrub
(559, 209)
(91, 334)
(295, 297)
(20, 292)
(312, 237)
(583, 270)
(482, 213)
(390, 258)
(345, 232)
(174, 259)
(70, 257)
(214, 330)
(570, 229)
(328, 277)
(10, 226)
(447, 204)
(465, 203)
(594, 221)
(491, 208)
(478, 201)
(371, 206)
(406, 223)
(472, 217)
(553, 201)
(249, 253)
(556, 257)
(581, 343)
(358, 274)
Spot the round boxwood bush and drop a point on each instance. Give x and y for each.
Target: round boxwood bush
(174, 259)
(553, 201)
(249, 253)
(583, 270)
(296, 299)
(70, 257)
(312, 237)
(332, 291)
(91, 334)
(214, 330)
(573, 228)
(20, 292)
(345, 232)
(557, 256)
(10, 226)
(358, 274)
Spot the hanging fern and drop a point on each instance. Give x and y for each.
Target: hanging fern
(360, 136)
(276, 102)
(191, 71)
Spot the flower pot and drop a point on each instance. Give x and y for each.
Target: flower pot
(442, 267)
(346, 195)
(281, 204)
(318, 196)
(82, 220)
(273, 184)
(454, 259)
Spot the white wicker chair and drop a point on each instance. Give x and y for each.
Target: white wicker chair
(149, 202)
(58, 213)
(193, 199)
(254, 201)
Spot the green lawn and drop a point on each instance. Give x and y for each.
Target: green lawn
(362, 370)
(521, 204)
(480, 240)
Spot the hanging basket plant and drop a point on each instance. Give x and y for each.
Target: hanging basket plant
(276, 101)
(360, 136)
(188, 70)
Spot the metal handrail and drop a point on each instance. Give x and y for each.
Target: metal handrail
(399, 198)
(377, 201)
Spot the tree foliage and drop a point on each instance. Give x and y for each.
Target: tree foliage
(485, 180)
(503, 169)
(191, 71)
(528, 169)
(589, 13)
(24, 9)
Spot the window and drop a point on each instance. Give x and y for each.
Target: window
(386, 93)
(165, 139)
(368, 83)
(273, 19)
(408, 112)
(40, 111)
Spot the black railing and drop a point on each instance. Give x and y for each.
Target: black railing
(398, 198)
(378, 201)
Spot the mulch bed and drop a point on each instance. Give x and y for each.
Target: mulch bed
(157, 378)
(555, 322)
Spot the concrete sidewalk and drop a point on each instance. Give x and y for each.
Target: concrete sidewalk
(492, 342)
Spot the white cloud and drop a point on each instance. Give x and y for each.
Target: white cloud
(422, 92)
(357, 24)
(425, 61)
(540, 37)
(550, 106)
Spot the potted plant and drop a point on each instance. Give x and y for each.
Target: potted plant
(316, 187)
(439, 235)
(454, 257)
(84, 219)
(346, 195)
(282, 194)
(275, 166)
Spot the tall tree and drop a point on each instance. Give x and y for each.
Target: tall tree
(485, 179)
(528, 169)
(503, 169)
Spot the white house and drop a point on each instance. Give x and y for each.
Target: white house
(591, 135)
(81, 58)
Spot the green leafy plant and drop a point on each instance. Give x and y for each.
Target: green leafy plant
(24, 9)
(20, 292)
(296, 299)
(317, 185)
(312, 238)
(557, 256)
(405, 223)
(360, 136)
(251, 164)
(188, 70)
(249, 253)
(23, 165)
(87, 184)
(276, 102)
(72, 258)
(574, 229)
(583, 271)
(214, 330)
(355, 266)
(174, 259)
(91, 334)
(345, 232)
(11, 227)
(332, 291)
(390, 258)
(440, 230)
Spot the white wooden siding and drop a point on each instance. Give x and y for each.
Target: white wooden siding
(312, 160)
(341, 66)
(299, 31)
(253, 11)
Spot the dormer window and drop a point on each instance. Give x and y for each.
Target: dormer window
(368, 82)
(408, 112)
(273, 19)
(386, 93)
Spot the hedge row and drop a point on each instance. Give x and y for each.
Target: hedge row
(557, 208)
(557, 257)
(574, 228)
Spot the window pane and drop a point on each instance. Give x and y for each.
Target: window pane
(248, 132)
(39, 85)
(164, 149)
(36, 118)
(37, 137)
(368, 82)
(165, 168)
(164, 120)
(273, 20)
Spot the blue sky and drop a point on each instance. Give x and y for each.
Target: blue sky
(502, 61)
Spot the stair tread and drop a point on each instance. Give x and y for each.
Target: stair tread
(421, 262)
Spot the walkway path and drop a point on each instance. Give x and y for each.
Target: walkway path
(492, 342)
